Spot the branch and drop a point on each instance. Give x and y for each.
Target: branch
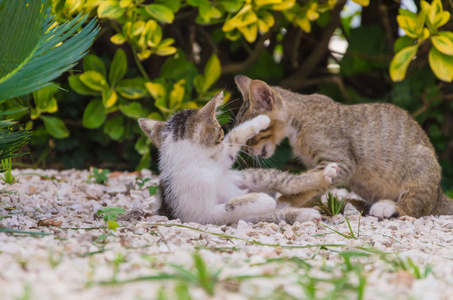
(295, 54)
(333, 79)
(318, 53)
(237, 68)
(426, 104)
(385, 21)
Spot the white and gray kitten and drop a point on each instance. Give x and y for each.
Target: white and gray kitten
(197, 183)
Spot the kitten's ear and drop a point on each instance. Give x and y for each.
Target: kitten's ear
(243, 83)
(208, 111)
(153, 130)
(262, 97)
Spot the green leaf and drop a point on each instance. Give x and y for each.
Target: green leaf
(212, 71)
(178, 67)
(198, 82)
(94, 80)
(141, 145)
(153, 189)
(165, 50)
(362, 2)
(118, 67)
(231, 5)
(21, 28)
(161, 13)
(441, 19)
(157, 91)
(55, 127)
(109, 97)
(441, 64)
(111, 224)
(133, 110)
(174, 5)
(12, 138)
(77, 85)
(110, 9)
(44, 100)
(132, 88)
(94, 114)
(403, 42)
(114, 127)
(400, 62)
(408, 25)
(110, 212)
(443, 44)
(118, 39)
(93, 63)
(208, 11)
(177, 94)
(46, 56)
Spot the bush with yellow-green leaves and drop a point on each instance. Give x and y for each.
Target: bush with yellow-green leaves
(152, 58)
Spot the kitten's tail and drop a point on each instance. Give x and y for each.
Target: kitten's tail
(445, 206)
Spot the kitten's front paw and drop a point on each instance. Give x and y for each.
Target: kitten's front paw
(330, 172)
(308, 214)
(261, 122)
(384, 209)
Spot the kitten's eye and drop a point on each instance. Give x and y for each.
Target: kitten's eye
(220, 137)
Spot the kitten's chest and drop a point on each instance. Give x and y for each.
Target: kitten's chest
(300, 149)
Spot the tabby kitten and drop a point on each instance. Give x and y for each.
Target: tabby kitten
(383, 154)
(197, 183)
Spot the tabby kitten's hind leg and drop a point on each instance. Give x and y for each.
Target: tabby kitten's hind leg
(419, 191)
(384, 209)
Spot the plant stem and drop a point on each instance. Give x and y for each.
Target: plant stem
(139, 65)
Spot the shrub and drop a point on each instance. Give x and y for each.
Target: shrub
(155, 57)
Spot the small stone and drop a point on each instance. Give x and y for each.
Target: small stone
(350, 210)
(32, 189)
(134, 214)
(116, 189)
(94, 191)
(289, 233)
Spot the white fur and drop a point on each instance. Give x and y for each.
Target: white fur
(330, 172)
(383, 209)
(308, 214)
(202, 181)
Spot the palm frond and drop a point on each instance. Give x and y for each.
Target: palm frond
(20, 28)
(11, 138)
(56, 50)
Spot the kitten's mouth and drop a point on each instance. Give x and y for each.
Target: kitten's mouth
(264, 152)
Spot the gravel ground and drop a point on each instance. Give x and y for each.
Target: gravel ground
(53, 245)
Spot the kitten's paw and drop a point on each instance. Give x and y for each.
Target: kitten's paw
(261, 122)
(252, 203)
(308, 214)
(384, 209)
(330, 172)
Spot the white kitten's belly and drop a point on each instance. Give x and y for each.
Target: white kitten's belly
(226, 190)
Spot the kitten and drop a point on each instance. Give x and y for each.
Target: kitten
(197, 183)
(383, 154)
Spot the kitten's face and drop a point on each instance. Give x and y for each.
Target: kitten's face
(260, 99)
(199, 126)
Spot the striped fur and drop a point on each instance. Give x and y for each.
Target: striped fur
(382, 153)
